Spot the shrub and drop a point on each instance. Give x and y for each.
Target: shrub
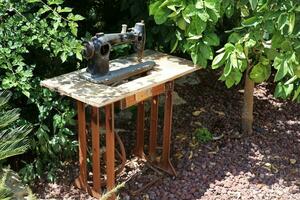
(13, 139)
(37, 38)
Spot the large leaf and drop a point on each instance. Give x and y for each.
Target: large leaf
(227, 69)
(161, 15)
(252, 21)
(292, 19)
(218, 60)
(282, 70)
(206, 52)
(260, 73)
(253, 4)
(154, 7)
(211, 39)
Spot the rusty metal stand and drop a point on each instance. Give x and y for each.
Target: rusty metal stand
(132, 92)
(139, 149)
(81, 181)
(165, 162)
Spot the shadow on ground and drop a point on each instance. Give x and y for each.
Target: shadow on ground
(263, 166)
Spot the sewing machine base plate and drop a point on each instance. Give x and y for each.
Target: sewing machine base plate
(119, 74)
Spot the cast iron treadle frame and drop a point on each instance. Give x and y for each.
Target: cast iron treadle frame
(134, 92)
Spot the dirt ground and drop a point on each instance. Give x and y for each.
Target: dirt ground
(265, 165)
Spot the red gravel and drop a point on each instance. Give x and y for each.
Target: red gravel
(263, 166)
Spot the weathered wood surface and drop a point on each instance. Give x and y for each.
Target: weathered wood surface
(167, 68)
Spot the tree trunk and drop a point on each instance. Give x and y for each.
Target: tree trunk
(247, 115)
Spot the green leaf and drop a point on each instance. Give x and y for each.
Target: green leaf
(260, 73)
(277, 40)
(229, 11)
(283, 91)
(296, 94)
(55, 2)
(291, 80)
(234, 38)
(229, 82)
(206, 52)
(63, 57)
(181, 24)
(211, 39)
(44, 9)
(63, 10)
(282, 21)
(243, 66)
(253, 4)
(227, 69)
(252, 21)
(237, 76)
(250, 43)
(33, 1)
(218, 60)
(229, 47)
(79, 55)
(154, 7)
(161, 15)
(203, 15)
(76, 17)
(292, 18)
(195, 37)
(194, 57)
(199, 4)
(234, 60)
(73, 26)
(282, 71)
(174, 46)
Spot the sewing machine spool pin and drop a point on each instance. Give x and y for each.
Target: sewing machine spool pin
(98, 49)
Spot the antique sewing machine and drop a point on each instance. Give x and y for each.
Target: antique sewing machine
(97, 52)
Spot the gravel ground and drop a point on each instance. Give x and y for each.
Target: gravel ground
(263, 166)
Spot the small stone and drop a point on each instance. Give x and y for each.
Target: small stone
(294, 189)
(293, 161)
(196, 113)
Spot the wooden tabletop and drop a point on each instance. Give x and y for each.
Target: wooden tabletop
(167, 68)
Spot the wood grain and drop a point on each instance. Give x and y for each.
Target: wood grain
(167, 68)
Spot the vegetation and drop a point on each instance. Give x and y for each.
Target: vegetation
(203, 135)
(13, 139)
(37, 37)
(261, 34)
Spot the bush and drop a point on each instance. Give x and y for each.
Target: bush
(37, 38)
(13, 139)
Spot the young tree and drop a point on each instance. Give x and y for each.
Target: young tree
(266, 35)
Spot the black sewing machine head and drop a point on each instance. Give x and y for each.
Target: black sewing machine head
(98, 49)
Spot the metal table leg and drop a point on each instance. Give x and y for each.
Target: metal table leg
(166, 162)
(139, 149)
(81, 181)
(110, 147)
(153, 128)
(96, 152)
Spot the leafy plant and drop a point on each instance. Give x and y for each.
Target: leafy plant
(266, 36)
(13, 138)
(192, 25)
(38, 38)
(203, 135)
